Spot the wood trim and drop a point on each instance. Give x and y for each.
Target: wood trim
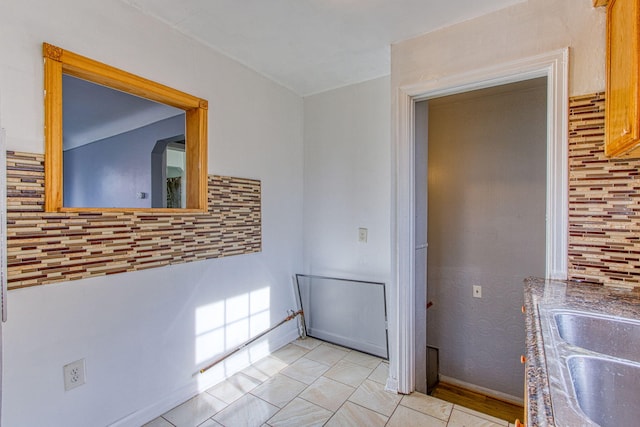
(52, 52)
(599, 3)
(196, 128)
(98, 72)
(53, 132)
(58, 62)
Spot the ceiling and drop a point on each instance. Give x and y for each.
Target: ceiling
(311, 46)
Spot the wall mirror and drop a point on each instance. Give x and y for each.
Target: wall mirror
(116, 141)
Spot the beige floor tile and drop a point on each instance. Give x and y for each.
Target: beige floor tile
(308, 343)
(350, 415)
(428, 405)
(326, 354)
(371, 395)
(272, 392)
(482, 415)
(255, 373)
(305, 370)
(381, 373)
(327, 393)
(462, 418)
(249, 411)
(194, 411)
(158, 422)
(234, 387)
(279, 390)
(406, 417)
(265, 368)
(289, 353)
(362, 359)
(300, 413)
(348, 373)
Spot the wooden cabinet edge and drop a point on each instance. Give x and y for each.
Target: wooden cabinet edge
(624, 153)
(600, 3)
(622, 142)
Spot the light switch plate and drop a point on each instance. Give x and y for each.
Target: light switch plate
(362, 235)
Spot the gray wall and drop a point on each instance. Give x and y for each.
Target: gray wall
(110, 172)
(486, 226)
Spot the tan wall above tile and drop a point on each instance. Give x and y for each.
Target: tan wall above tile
(604, 201)
(53, 247)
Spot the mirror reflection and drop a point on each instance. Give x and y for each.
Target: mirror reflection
(168, 173)
(120, 150)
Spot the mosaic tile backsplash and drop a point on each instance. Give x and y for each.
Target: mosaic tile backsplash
(53, 247)
(604, 202)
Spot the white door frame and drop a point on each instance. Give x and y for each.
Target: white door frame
(553, 65)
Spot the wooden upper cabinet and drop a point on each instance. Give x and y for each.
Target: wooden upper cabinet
(622, 124)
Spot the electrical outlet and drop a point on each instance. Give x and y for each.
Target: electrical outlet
(74, 374)
(477, 291)
(362, 235)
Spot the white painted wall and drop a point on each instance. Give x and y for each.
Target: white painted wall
(522, 30)
(347, 181)
(142, 333)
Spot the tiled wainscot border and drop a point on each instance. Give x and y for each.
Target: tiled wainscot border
(53, 247)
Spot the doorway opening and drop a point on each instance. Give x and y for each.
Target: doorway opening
(480, 164)
(407, 331)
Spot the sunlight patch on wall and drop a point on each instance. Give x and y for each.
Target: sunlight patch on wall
(224, 325)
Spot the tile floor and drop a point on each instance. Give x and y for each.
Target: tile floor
(313, 383)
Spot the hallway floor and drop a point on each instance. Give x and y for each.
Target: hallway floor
(477, 401)
(313, 383)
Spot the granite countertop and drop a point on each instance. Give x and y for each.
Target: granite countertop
(542, 383)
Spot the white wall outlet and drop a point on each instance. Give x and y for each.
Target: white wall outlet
(362, 235)
(477, 291)
(74, 374)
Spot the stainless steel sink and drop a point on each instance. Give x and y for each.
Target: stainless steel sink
(613, 336)
(606, 390)
(593, 367)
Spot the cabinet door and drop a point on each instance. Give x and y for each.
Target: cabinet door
(622, 98)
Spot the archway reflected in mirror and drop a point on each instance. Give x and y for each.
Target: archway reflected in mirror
(168, 173)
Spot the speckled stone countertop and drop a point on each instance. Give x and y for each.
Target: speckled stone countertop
(541, 296)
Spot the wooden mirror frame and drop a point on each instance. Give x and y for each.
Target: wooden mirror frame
(57, 62)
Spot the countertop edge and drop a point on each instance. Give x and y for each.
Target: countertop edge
(539, 408)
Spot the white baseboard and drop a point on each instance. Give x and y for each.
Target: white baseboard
(391, 385)
(151, 412)
(196, 386)
(483, 390)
